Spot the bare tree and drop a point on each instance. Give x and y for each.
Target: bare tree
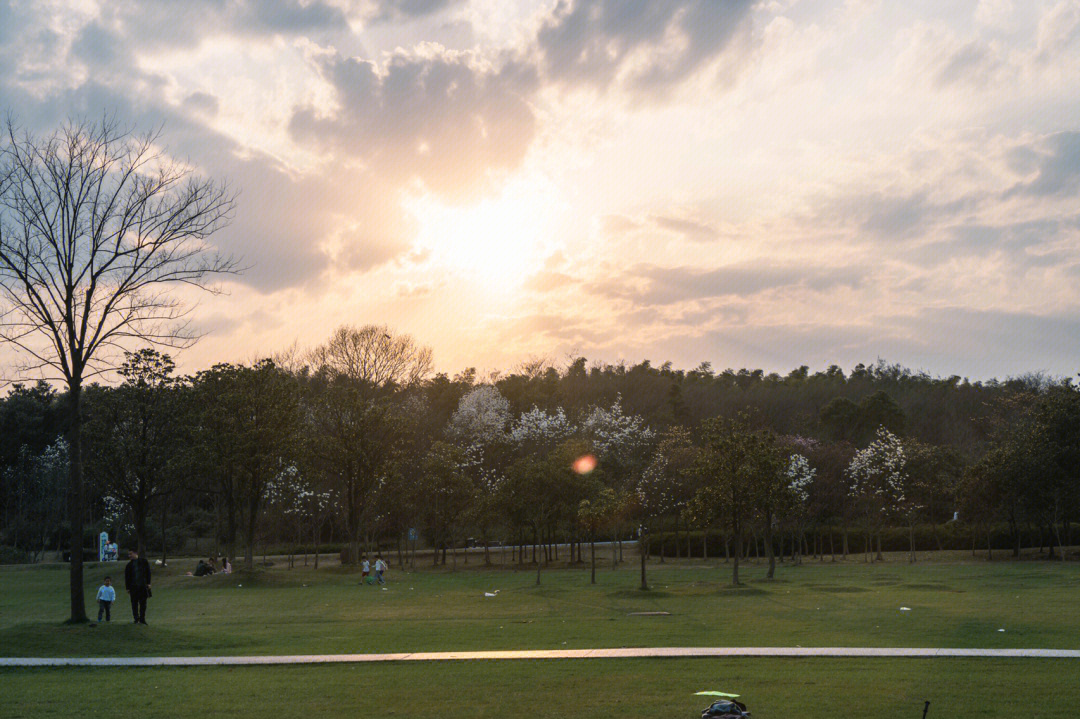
(372, 355)
(97, 227)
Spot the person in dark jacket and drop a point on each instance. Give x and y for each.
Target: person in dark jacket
(137, 584)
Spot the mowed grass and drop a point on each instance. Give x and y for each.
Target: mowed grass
(638, 688)
(300, 611)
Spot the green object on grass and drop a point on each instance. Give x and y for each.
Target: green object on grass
(716, 694)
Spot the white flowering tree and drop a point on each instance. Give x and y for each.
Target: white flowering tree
(287, 495)
(539, 432)
(301, 507)
(877, 482)
(622, 443)
(481, 418)
(479, 426)
(37, 485)
(487, 479)
(322, 507)
(799, 477)
(448, 494)
(664, 486)
(618, 437)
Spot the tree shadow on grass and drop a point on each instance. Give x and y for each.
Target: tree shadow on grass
(120, 637)
(836, 588)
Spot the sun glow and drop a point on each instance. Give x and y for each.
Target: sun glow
(496, 242)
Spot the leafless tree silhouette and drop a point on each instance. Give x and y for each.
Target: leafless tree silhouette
(98, 229)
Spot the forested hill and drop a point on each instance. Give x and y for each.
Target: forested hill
(827, 405)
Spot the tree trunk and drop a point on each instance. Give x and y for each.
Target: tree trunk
(75, 507)
(249, 533)
(592, 544)
(736, 554)
(880, 557)
(138, 516)
(642, 551)
(164, 533)
(1015, 536)
(315, 541)
(911, 541)
(769, 546)
(1057, 536)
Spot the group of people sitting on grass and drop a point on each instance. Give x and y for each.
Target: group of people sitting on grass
(365, 568)
(210, 566)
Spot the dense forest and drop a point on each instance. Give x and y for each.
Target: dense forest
(355, 443)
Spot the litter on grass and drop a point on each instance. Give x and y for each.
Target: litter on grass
(905, 609)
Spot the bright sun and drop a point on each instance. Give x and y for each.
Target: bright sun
(497, 242)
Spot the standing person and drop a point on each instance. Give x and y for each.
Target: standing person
(137, 584)
(106, 595)
(365, 569)
(380, 567)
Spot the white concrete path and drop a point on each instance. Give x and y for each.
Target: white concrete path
(615, 653)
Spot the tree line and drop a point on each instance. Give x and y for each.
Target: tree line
(358, 440)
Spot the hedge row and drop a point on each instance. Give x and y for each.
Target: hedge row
(893, 539)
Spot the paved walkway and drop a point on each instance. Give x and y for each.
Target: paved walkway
(617, 653)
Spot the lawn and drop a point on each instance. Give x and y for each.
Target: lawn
(639, 688)
(277, 610)
(281, 611)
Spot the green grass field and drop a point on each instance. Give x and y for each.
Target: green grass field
(281, 611)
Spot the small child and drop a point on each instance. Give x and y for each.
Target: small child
(380, 567)
(365, 569)
(106, 595)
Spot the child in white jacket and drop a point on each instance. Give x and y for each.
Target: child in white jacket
(106, 595)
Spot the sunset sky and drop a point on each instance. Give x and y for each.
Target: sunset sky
(761, 184)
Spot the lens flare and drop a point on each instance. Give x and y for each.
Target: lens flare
(584, 464)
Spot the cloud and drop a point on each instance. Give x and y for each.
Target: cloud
(547, 281)
(1056, 159)
(202, 103)
(444, 119)
(935, 54)
(1059, 28)
(653, 285)
(649, 46)
(995, 13)
(170, 24)
(404, 10)
(1028, 243)
(690, 229)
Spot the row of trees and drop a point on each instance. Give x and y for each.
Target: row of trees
(357, 437)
